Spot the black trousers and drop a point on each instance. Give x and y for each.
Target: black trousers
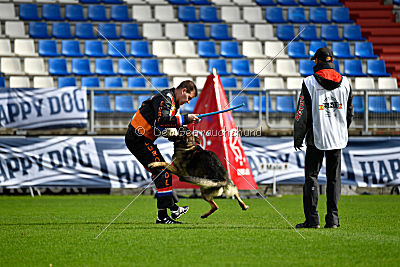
(313, 163)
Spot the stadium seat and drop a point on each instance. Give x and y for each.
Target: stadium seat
(152, 31)
(114, 82)
(306, 67)
(197, 31)
(266, 2)
(387, 83)
(51, 12)
(309, 2)
(112, 1)
(376, 68)
(120, 13)
(287, 2)
(140, 49)
(297, 15)
(315, 45)
(150, 67)
(25, 47)
(231, 14)
(330, 33)
(352, 33)
(253, 14)
(173, 67)
(84, 31)
(62, 30)
(242, 32)
(15, 29)
(285, 104)
(107, 31)
(364, 50)
(219, 65)
(102, 104)
(104, 66)
(2, 82)
(196, 67)
(353, 67)
(5, 48)
(274, 49)
(241, 67)
(28, 12)
(38, 30)
(264, 32)
(222, 2)
(185, 49)
(207, 49)
(358, 104)
(58, 66)
(71, 48)
(252, 49)
(7, 11)
(337, 65)
(286, 67)
(175, 31)
(319, 15)
(229, 82)
(256, 103)
(274, 15)
(11, 66)
(274, 83)
(90, 1)
(159, 82)
(165, 13)
(200, 82)
(74, 13)
(364, 83)
(179, 2)
(127, 67)
(136, 82)
(341, 50)
(219, 32)
(294, 82)
(285, 32)
(117, 49)
(91, 82)
(243, 2)
(309, 33)
(340, 15)
(97, 13)
(189, 107)
(124, 104)
(94, 49)
(395, 103)
(238, 100)
(264, 67)
(35, 66)
(163, 49)
(187, 14)
(297, 50)
(251, 82)
(81, 66)
(130, 31)
(200, 2)
(42, 82)
(209, 14)
(377, 104)
(66, 81)
(142, 13)
(331, 2)
(19, 82)
(230, 49)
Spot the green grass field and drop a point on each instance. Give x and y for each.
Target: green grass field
(61, 231)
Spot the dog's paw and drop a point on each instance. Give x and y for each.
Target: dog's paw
(245, 207)
(204, 216)
(152, 165)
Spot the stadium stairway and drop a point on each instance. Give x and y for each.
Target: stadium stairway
(378, 24)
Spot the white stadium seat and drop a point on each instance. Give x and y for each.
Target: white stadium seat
(19, 82)
(200, 81)
(253, 14)
(15, 29)
(35, 66)
(196, 67)
(261, 68)
(164, 13)
(252, 49)
(230, 14)
(176, 81)
(163, 49)
(264, 32)
(185, 49)
(142, 13)
(274, 83)
(25, 47)
(5, 48)
(387, 83)
(286, 67)
(364, 83)
(272, 49)
(43, 82)
(7, 11)
(175, 31)
(294, 82)
(242, 32)
(173, 67)
(153, 31)
(11, 66)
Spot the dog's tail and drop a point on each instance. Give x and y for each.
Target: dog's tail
(202, 181)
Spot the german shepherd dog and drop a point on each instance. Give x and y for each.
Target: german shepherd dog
(201, 167)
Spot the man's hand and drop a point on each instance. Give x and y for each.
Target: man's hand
(193, 118)
(298, 147)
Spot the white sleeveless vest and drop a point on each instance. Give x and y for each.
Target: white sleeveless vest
(329, 110)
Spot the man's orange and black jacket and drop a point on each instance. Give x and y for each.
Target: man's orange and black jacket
(157, 113)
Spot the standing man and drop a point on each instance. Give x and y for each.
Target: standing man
(156, 113)
(324, 114)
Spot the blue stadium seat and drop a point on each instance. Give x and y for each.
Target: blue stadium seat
(117, 49)
(29, 12)
(84, 31)
(189, 107)
(220, 65)
(124, 104)
(306, 67)
(196, 31)
(127, 67)
(229, 82)
(220, 32)
(58, 66)
(104, 66)
(330, 2)
(71, 48)
(150, 67)
(353, 67)
(266, 2)
(159, 82)
(395, 104)
(102, 104)
(238, 100)
(97, 13)
(114, 82)
(48, 48)
(137, 82)
(90, 82)
(81, 66)
(112, 1)
(315, 45)
(107, 31)
(285, 32)
(297, 50)
(256, 105)
(38, 30)
(2, 82)
(352, 33)
(241, 67)
(90, 1)
(251, 82)
(62, 30)
(287, 2)
(120, 13)
(330, 33)
(285, 104)
(341, 15)
(209, 14)
(66, 81)
(364, 50)
(230, 49)
(141, 99)
(130, 31)
(200, 2)
(187, 14)
(309, 2)
(207, 49)
(179, 2)
(275, 15)
(51, 12)
(74, 13)
(358, 104)
(319, 15)
(297, 15)
(140, 49)
(376, 68)
(341, 50)
(309, 33)
(94, 49)
(337, 65)
(377, 104)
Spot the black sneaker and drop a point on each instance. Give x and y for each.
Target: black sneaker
(306, 225)
(167, 220)
(178, 213)
(333, 226)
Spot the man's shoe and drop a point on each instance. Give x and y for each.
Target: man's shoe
(333, 226)
(306, 225)
(167, 220)
(178, 213)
